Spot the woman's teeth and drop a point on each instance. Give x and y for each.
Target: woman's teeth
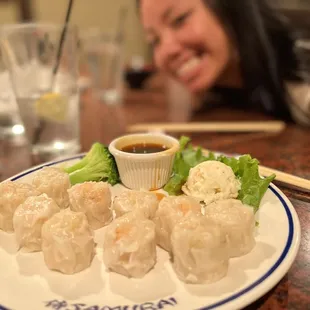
(188, 66)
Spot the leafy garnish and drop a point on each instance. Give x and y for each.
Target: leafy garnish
(245, 168)
(253, 187)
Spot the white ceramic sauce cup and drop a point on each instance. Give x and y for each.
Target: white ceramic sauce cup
(148, 171)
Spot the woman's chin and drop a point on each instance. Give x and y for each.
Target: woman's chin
(199, 86)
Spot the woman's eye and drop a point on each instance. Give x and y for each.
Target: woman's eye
(179, 21)
(154, 42)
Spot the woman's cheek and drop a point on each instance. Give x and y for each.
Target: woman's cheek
(160, 62)
(157, 61)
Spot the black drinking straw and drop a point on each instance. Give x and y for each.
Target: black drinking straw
(63, 36)
(41, 126)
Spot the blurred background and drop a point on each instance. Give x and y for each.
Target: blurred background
(85, 14)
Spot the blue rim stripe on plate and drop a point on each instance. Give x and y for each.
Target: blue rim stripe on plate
(245, 290)
(46, 165)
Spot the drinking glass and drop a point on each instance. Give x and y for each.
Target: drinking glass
(10, 122)
(42, 60)
(102, 53)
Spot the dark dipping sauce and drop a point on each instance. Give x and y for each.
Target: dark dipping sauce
(144, 148)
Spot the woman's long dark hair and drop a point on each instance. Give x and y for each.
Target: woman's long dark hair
(265, 43)
(266, 46)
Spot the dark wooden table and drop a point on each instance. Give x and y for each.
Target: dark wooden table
(288, 151)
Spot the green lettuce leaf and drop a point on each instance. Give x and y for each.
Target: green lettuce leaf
(253, 187)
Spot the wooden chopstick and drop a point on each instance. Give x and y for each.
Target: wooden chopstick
(267, 126)
(286, 178)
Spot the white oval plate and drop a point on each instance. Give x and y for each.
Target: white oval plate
(26, 283)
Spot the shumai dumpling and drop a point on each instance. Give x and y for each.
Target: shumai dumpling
(238, 222)
(133, 200)
(93, 199)
(67, 242)
(29, 218)
(170, 211)
(129, 245)
(54, 183)
(199, 248)
(12, 194)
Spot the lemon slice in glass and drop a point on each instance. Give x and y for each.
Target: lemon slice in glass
(52, 107)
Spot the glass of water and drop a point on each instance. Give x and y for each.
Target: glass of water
(102, 54)
(10, 124)
(44, 76)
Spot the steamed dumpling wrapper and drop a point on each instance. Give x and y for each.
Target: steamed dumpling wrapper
(238, 222)
(133, 200)
(12, 194)
(29, 218)
(67, 242)
(211, 181)
(93, 199)
(199, 248)
(129, 245)
(54, 182)
(170, 211)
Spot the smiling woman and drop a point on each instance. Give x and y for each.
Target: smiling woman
(242, 45)
(183, 47)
